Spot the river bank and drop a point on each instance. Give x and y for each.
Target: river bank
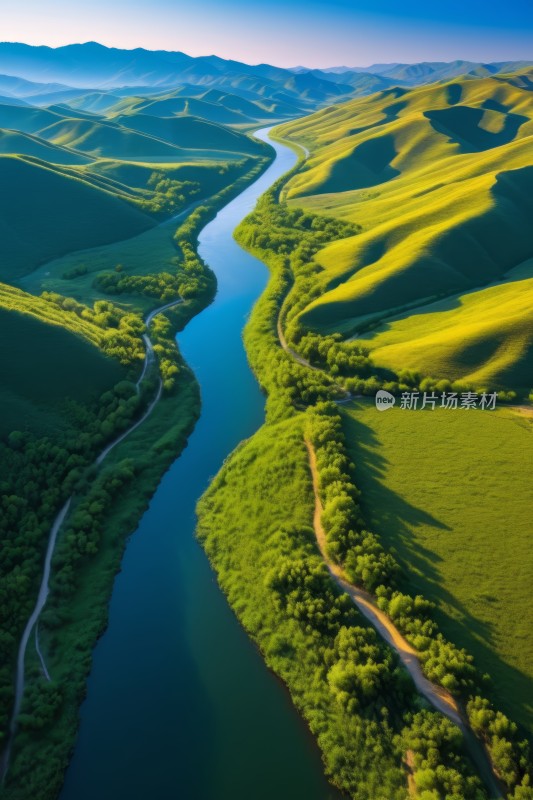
(70, 628)
(172, 644)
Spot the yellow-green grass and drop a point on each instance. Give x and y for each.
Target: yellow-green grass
(484, 337)
(451, 491)
(34, 389)
(441, 180)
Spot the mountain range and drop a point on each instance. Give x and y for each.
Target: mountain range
(60, 72)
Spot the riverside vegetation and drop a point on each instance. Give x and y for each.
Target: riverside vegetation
(61, 415)
(378, 738)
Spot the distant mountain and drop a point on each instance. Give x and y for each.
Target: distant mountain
(94, 66)
(43, 76)
(411, 74)
(425, 72)
(21, 88)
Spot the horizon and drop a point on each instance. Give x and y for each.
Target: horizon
(314, 34)
(345, 66)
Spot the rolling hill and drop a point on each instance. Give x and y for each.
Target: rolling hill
(79, 180)
(34, 389)
(15, 142)
(109, 140)
(191, 133)
(440, 178)
(49, 212)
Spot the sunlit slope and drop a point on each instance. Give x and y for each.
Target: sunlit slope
(484, 337)
(33, 389)
(15, 142)
(107, 140)
(192, 133)
(441, 179)
(49, 211)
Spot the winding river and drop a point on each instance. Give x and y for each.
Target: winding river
(180, 703)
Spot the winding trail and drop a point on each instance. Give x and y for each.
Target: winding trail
(436, 695)
(44, 588)
(439, 698)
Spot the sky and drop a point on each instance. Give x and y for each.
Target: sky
(287, 33)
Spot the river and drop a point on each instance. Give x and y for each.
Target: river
(179, 702)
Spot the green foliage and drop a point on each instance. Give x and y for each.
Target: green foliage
(254, 524)
(119, 333)
(510, 756)
(38, 475)
(440, 770)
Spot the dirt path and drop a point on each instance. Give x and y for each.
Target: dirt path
(52, 540)
(436, 695)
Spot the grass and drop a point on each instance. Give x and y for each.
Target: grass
(34, 390)
(440, 179)
(450, 491)
(49, 212)
(483, 337)
(149, 252)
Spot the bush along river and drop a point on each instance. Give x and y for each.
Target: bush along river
(179, 701)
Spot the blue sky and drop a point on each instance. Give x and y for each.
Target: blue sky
(285, 32)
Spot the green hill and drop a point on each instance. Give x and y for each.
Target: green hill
(170, 106)
(441, 180)
(34, 389)
(15, 142)
(48, 212)
(26, 119)
(107, 140)
(192, 133)
(94, 102)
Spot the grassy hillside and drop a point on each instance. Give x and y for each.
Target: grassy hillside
(440, 179)
(474, 558)
(35, 389)
(84, 181)
(192, 133)
(15, 142)
(48, 212)
(108, 140)
(484, 337)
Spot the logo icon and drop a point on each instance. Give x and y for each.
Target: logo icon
(384, 400)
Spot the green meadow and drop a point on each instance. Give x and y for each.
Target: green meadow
(450, 492)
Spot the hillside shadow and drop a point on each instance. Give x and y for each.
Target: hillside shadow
(454, 93)
(393, 519)
(368, 164)
(461, 125)
(390, 114)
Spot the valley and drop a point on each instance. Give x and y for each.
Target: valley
(392, 209)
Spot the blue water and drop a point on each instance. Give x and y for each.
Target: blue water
(180, 703)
